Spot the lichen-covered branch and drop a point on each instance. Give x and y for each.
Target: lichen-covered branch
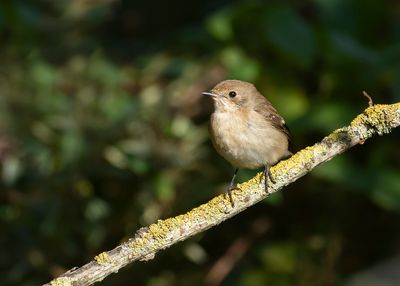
(377, 119)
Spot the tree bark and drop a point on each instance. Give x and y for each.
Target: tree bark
(376, 119)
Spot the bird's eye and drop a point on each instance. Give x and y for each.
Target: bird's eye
(232, 93)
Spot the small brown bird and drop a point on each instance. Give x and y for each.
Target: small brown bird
(246, 129)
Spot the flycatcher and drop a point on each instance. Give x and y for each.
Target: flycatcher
(246, 129)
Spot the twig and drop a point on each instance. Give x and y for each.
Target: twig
(377, 119)
(370, 102)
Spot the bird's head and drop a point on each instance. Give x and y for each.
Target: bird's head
(232, 95)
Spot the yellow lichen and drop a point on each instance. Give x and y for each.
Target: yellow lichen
(245, 186)
(103, 258)
(372, 112)
(155, 230)
(378, 119)
(296, 161)
(61, 281)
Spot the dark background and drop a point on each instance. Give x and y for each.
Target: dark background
(103, 130)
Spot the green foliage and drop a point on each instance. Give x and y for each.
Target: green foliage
(289, 34)
(103, 130)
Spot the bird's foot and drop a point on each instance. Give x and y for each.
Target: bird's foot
(229, 193)
(265, 175)
(271, 177)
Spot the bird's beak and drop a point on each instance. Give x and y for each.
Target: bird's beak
(209, 94)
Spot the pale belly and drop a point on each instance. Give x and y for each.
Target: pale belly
(247, 144)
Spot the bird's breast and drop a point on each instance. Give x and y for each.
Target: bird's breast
(246, 141)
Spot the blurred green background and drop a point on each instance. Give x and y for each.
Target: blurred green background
(103, 130)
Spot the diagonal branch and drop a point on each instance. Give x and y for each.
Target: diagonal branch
(377, 119)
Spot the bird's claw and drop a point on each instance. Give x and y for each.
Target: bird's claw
(267, 174)
(229, 192)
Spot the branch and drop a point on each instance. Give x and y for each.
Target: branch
(377, 119)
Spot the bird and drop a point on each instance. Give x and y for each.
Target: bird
(246, 129)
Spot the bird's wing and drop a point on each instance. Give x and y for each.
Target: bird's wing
(265, 108)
